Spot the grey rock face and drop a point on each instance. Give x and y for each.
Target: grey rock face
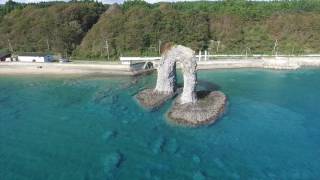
(166, 81)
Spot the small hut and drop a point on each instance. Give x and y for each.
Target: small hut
(35, 57)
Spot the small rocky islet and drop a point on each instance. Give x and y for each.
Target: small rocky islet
(190, 108)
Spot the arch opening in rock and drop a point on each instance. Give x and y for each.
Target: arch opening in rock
(148, 65)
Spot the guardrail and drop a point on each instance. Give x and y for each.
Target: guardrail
(130, 60)
(206, 57)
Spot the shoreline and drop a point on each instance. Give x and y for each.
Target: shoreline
(281, 63)
(13, 68)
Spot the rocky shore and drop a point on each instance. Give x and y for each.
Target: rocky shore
(209, 107)
(151, 99)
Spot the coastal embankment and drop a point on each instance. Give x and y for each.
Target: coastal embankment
(279, 63)
(116, 68)
(69, 68)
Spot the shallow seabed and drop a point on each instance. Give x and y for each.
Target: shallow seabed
(90, 127)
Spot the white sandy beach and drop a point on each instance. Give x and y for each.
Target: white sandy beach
(123, 69)
(64, 68)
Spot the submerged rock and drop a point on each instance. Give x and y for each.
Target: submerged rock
(205, 111)
(172, 146)
(199, 176)
(101, 96)
(148, 174)
(196, 159)
(158, 145)
(237, 176)
(219, 163)
(125, 121)
(112, 162)
(124, 108)
(109, 135)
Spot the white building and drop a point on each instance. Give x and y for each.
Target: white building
(9, 59)
(33, 57)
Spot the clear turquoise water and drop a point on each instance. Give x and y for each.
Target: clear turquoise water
(89, 127)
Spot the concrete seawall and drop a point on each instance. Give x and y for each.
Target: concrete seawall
(268, 63)
(135, 69)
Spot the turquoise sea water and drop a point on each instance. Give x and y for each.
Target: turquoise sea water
(90, 127)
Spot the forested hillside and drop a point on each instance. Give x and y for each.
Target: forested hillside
(92, 30)
(137, 28)
(56, 27)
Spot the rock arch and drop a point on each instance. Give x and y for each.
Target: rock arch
(187, 109)
(166, 80)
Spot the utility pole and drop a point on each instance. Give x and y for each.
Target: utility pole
(247, 49)
(211, 46)
(246, 52)
(275, 48)
(48, 45)
(205, 55)
(292, 51)
(159, 47)
(218, 42)
(10, 46)
(107, 47)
